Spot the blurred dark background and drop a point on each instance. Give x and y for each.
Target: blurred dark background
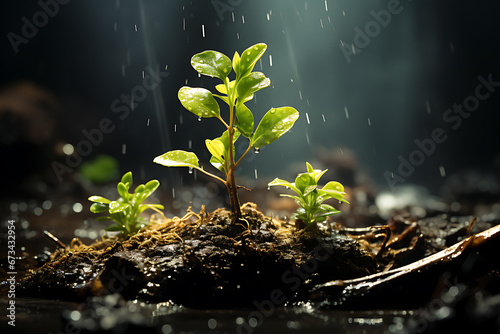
(67, 65)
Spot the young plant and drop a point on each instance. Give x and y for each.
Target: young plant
(310, 197)
(126, 209)
(239, 120)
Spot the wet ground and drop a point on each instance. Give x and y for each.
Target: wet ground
(464, 302)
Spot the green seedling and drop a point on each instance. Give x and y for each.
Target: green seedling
(126, 209)
(310, 198)
(239, 121)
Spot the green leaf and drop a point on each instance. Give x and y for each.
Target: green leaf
(99, 199)
(309, 167)
(104, 218)
(216, 148)
(143, 207)
(98, 207)
(127, 179)
(223, 98)
(248, 59)
(303, 181)
(221, 88)
(236, 62)
(123, 191)
(212, 64)
(199, 101)
(298, 199)
(245, 121)
(309, 189)
(250, 84)
(177, 158)
(114, 228)
(139, 189)
(115, 207)
(284, 183)
(334, 185)
(273, 125)
(217, 163)
(152, 185)
(224, 138)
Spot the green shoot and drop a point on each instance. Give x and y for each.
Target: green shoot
(238, 122)
(126, 209)
(310, 197)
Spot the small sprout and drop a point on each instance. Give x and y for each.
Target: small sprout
(126, 209)
(240, 119)
(310, 197)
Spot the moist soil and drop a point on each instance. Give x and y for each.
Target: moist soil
(204, 260)
(208, 260)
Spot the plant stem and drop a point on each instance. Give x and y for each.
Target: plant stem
(248, 149)
(231, 182)
(210, 174)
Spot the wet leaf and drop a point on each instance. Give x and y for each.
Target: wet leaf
(250, 84)
(114, 228)
(143, 207)
(216, 148)
(212, 64)
(99, 199)
(302, 181)
(199, 101)
(98, 207)
(245, 121)
(177, 158)
(273, 125)
(248, 59)
(152, 185)
(284, 183)
(236, 62)
(115, 207)
(123, 191)
(127, 179)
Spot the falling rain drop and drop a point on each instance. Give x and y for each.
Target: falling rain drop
(300, 94)
(369, 122)
(173, 193)
(148, 122)
(307, 118)
(243, 19)
(190, 144)
(442, 171)
(256, 176)
(190, 170)
(256, 150)
(175, 127)
(270, 60)
(135, 27)
(323, 116)
(268, 187)
(428, 106)
(321, 23)
(183, 23)
(124, 148)
(307, 139)
(199, 119)
(203, 30)
(346, 113)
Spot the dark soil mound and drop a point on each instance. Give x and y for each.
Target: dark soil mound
(204, 260)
